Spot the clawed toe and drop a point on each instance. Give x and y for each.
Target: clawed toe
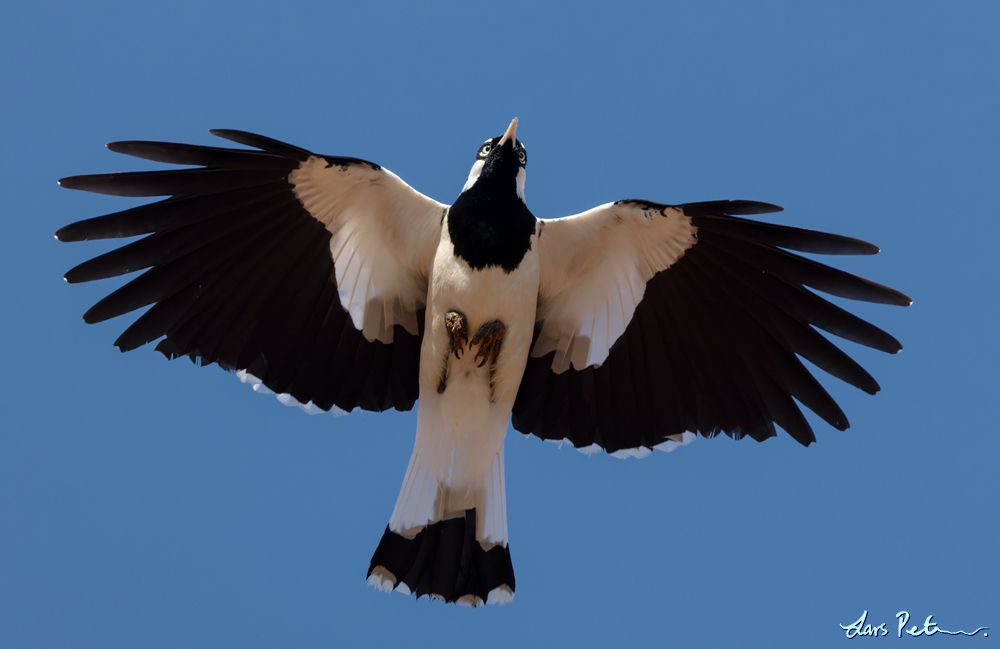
(489, 337)
(458, 332)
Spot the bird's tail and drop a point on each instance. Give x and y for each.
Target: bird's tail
(448, 536)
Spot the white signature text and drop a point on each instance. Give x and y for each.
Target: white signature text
(863, 628)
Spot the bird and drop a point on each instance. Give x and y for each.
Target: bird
(327, 280)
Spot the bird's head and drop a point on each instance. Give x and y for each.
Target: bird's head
(500, 160)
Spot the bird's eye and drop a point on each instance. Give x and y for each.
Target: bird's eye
(522, 156)
(486, 148)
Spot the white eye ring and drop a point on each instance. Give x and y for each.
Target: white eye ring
(522, 157)
(485, 149)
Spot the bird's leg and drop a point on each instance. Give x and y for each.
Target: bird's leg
(489, 337)
(458, 337)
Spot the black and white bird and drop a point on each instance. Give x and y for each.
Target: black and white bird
(331, 282)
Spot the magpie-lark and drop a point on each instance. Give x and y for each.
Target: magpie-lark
(331, 282)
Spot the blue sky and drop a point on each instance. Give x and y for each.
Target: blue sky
(155, 504)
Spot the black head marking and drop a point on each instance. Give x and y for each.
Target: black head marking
(490, 146)
(489, 224)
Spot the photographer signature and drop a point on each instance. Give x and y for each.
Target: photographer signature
(861, 628)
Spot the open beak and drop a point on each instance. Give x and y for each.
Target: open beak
(509, 135)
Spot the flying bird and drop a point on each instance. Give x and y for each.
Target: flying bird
(329, 281)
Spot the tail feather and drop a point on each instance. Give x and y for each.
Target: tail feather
(447, 537)
(431, 493)
(445, 561)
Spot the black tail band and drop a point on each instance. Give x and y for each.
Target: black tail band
(445, 560)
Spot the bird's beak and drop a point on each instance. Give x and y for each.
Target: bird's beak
(509, 135)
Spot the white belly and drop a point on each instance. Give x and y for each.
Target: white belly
(477, 400)
(482, 296)
(460, 431)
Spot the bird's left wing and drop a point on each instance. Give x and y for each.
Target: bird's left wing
(307, 272)
(655, 320)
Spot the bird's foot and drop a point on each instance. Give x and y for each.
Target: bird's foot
(458, 332)
(489, 337)
(458, 337)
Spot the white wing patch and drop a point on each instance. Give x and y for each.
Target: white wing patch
(594, 269)
(639, 452)
(384, 237)
(309, 407)
(673, 442)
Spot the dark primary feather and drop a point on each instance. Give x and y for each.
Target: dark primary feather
(165, 215)
(783, 236)
(798, 270)
(725, 215)
(204, 156)
(714, 344)
(264, 143)
(729, 208)
(184, 182)
(178, 239)
(239, 274)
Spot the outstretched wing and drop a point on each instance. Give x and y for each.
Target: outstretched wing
(307, 272)
(655, 320)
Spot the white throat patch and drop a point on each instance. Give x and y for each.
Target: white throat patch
(477, 168)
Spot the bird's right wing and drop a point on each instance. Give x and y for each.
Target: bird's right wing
(306, 272)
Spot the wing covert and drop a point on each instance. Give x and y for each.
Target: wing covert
(593, 273)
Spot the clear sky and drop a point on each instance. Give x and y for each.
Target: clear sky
(146, 503)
